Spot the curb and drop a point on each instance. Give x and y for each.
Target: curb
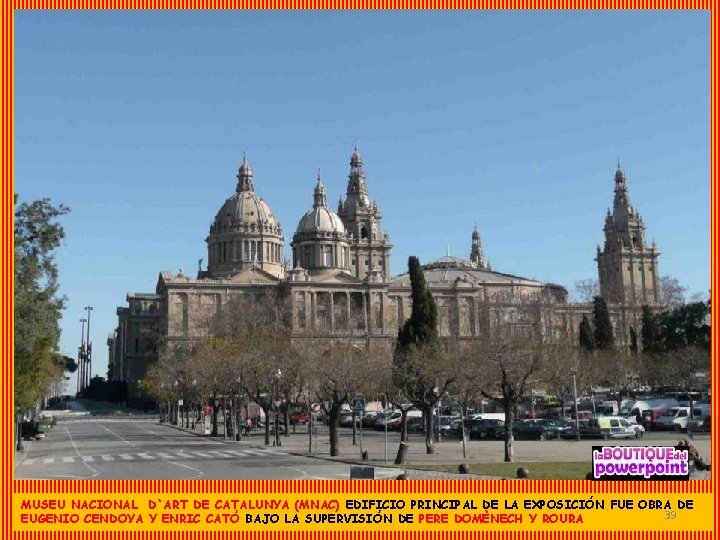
(349, 461)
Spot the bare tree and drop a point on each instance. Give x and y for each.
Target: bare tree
(424, 376)
(621, 372)
(337, 370)
(567, 369)
(672, 294)
(511, 357)
(470, 375)
(586, 290)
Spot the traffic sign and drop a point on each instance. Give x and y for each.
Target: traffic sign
(358, 405)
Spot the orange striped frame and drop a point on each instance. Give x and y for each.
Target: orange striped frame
(10, 487)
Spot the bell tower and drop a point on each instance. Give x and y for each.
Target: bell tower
(627, 266)
(369, 245)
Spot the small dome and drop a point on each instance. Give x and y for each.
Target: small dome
(245, 168)
(321, 219)
(356, 159)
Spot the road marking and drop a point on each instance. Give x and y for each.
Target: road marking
(28, 462)
(108, 458)
(118, 436)
(183, 455)
(220, 454)
(68, 460)
(201, 454)
(258, 452)
(49, 460)
(126, 456)
(88, 459)
(77, 451)
(236, 452)
(146, 456)
(165, 456)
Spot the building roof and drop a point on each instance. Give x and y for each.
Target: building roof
(449, 270)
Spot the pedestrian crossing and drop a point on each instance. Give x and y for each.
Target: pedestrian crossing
(174, 455)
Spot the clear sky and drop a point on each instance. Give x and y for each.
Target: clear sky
(511, 120)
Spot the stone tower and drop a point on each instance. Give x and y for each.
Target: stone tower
(627, 266)
(477, 255)
(369, 246)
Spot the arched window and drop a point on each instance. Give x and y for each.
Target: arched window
(363, 233)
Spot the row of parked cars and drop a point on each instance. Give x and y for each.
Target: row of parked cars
(492, 426)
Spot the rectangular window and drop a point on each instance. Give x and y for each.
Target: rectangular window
(328, 256)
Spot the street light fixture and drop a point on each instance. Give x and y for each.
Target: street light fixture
(19, 446)
(276, 403)
(88, 347)
(81, 356)
(575, 398)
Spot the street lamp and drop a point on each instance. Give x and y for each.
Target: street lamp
(88, 346)
(81, 356)
(276, 403)
(19, 446)
(532, 401)
(575, 398)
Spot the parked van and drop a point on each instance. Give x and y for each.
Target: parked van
(488, 416)
(608, 408)
(677, 417)
(616, 427)
(649, 410)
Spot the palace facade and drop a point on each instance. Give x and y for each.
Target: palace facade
(339, 287)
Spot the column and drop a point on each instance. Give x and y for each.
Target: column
(332, 312)
(313, 309)
(347, 307)
(365, 313)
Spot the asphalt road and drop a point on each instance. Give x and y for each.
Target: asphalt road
(120, 449)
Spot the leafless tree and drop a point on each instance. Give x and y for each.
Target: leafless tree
(511, 356)
(621, 372)
(337, 371)
(586, 290)
(565, 359)
(470, 376)
(672, 294)
(425, 375)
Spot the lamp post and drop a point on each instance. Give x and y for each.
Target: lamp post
(532, 402)
(386, 436)
(88, 347)
(577, 417)
(81, 356)
(436, 421)
(276, 403)
(18, 418)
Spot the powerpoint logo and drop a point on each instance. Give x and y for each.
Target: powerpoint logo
(639, 463)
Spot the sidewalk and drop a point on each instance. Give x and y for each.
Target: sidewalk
(299, 444)
(447, 452)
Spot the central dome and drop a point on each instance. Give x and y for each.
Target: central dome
(245, 209)
(245, 233)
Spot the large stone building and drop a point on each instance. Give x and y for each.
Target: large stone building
(338, 284)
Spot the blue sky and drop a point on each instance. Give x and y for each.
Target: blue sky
(511, 120)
